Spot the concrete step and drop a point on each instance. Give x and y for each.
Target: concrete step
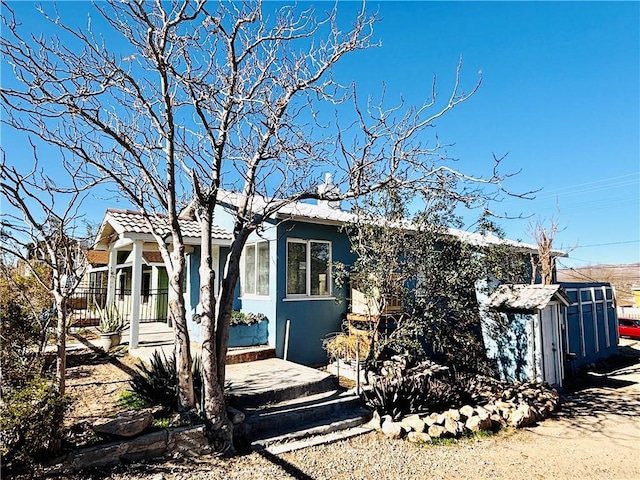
(305, 433)
(245, 397)
(318, 439)
(290, 414)
(249, 354)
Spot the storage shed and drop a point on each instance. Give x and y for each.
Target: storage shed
(523, 332)
(591, 322)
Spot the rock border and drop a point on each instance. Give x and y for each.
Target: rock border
(188, 441)
(519, 405)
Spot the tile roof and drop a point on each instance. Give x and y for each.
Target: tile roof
(152, 257)
(97, 257)
(526, 297)
(133, 222)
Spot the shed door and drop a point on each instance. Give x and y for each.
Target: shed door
(551, 347)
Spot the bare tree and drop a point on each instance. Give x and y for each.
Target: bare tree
(545, 260)
(204, 100)
(39, 231)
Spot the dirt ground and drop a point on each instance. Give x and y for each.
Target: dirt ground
(595, 435)
(95, 381)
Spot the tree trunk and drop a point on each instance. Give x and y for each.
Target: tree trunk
(219, 427)
(225, 301)
(61, 342)
(186, 398)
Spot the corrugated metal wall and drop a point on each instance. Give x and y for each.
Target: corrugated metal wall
(591, 323)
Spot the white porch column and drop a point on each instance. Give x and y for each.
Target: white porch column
(136, 286)
(111, 277)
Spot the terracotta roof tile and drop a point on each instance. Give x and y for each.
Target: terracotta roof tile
(131, 221)
(152, 257)
(97, 257)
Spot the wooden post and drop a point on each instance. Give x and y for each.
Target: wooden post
(286, 338)
(358, 365)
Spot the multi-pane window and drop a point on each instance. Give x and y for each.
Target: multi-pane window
(308, 267)
(255, 279)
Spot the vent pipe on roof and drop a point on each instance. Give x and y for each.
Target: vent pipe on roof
(328, 188)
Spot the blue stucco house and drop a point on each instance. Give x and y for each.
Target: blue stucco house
(286, 275)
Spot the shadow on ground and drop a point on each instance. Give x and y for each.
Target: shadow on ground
(603, 400)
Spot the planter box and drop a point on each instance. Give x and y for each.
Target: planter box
(249, 335)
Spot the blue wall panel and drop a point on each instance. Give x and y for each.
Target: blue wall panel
(311, 319)
(591, 322)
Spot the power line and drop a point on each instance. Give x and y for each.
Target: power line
(605, 244)
(605, 181)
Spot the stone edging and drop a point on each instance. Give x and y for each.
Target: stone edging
(190, 441)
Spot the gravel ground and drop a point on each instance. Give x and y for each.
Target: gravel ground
(596, 435)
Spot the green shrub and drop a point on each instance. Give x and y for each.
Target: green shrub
(23, 338)
(385, 397)
(132, 401)
(158, 384)
(238, 318)
(30, 421)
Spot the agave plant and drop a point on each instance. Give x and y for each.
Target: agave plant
(158, 382)
(110, 319)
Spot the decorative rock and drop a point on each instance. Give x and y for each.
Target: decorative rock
(440, 419)
(419, 437)
(431, 419)
(415, 423)
(392, 429)
(452, 414)
(476, 423)
(466, 411)
(126, 424)
(482, 413)
(375, 421)
(436, 431)
(451, 427)
(496, 419)
(522, 416)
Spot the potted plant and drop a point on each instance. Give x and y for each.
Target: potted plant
(111, 326)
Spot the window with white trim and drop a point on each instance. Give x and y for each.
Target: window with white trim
(255, 274)
(308, 268)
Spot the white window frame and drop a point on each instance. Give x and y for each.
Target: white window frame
(308, 294)
(243, 281)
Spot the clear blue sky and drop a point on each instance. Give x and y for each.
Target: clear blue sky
(560, 95)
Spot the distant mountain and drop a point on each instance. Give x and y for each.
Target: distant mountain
(622, 277)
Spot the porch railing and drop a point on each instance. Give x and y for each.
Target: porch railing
(154, 305)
